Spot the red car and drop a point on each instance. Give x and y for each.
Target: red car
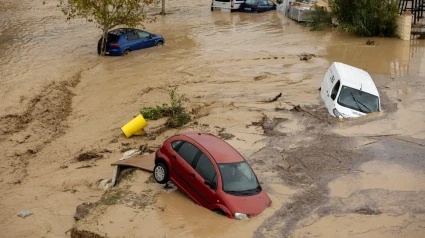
(212, 173)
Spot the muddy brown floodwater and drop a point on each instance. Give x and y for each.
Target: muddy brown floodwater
(326, 178)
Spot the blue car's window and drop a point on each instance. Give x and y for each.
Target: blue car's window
(113, 38)
(143, 34)
(251, 2)
(132, 36)
(263, 3)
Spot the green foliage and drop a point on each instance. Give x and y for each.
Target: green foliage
(154, 113)
(108, 14)
(178, 120)
(320, 19)
(366, 17)
(176, 112)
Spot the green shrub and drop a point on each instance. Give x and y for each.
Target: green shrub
(176, 113)
(154, 113)
(366, 17)
(320, 19)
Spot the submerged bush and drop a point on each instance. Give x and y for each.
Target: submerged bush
(176, 113)
(366, 17)
(320, 18)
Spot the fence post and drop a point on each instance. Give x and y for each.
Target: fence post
(404, 25)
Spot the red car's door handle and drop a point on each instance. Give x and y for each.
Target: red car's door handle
(192, 175)
(173, 156)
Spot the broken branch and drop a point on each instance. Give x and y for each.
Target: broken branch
(275, 98)
(344, 169)
(84, 167)
(408, 141)
(271, 100)
(305, 166)
(298, 108)
(370, 143)
(289, 165)
(384, 135)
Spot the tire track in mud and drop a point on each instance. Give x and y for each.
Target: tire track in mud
(24, 135)
(318, 159)
(310, 167)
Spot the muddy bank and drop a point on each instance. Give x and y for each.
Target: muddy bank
(301, 172)
(324, 172)
(170, 214)
(23, 135)
(307, 165)
(212, 59)
(381, 200)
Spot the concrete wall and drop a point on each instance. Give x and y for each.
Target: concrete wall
(404, 26)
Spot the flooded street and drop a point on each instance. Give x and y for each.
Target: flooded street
(326, 178)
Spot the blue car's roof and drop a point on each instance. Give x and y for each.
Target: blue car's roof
(122, 31)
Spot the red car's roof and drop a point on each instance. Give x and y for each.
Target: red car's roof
(220, 150)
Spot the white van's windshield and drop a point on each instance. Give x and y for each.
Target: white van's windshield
(358, 100)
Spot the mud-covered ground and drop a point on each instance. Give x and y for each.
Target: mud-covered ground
(63, 106)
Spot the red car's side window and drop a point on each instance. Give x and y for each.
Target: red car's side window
(176, 145)
(205, 168)
(188, 152)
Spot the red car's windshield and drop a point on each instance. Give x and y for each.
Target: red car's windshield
(239, 179)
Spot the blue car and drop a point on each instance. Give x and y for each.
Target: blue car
(122, 41)
(257, 6)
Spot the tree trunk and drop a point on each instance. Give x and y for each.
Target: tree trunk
(104, 41)
(163, 8)
(105, 28)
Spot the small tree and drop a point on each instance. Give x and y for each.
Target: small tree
(366, 17)
(320, 18)
(108, 14)
(163, 8)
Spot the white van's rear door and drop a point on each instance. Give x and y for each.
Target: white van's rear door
(222, 5)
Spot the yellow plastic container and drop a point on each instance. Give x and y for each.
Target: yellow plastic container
(135, 126)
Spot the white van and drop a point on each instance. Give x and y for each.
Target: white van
(349, 92)
(226, 5)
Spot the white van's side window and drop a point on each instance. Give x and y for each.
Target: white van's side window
(335, 90)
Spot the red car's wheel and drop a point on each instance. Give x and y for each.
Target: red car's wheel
(160, 173)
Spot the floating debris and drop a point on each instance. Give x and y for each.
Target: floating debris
(25, 214)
